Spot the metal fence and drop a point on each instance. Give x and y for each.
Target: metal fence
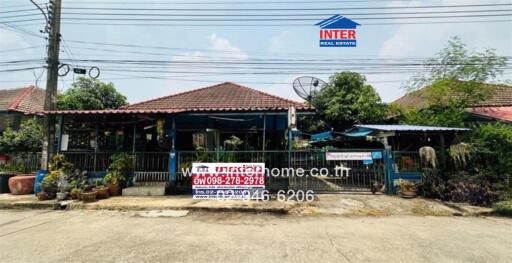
(23, 161)
(351, 175)
(142, 161)
(407, 161)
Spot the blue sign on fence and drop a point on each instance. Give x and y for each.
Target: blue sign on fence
(377, 155)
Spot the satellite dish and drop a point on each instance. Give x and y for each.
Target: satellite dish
(306, 86)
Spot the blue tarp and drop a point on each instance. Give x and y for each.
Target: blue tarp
(323, 136)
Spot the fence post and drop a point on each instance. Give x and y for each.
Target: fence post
(388, 170)
(173, 161)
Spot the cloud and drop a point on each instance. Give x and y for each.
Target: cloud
(278, 42)
(415, 40)
(11, 40)
(223, 45)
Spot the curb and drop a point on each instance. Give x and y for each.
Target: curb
(22, 205)
(463, 211)
(82, 206)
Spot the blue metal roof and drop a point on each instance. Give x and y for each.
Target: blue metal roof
(408, 128)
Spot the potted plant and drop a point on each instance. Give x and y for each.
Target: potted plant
(102, 190)
(63, 188)
(49, 185)
(75, 193)
(41, 196)
(113, 180)
(408, 189)
(88, 194)
(118, 172)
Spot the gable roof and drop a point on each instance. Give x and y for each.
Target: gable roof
(337, 21)
(498, 113)
(26, 100)
(225, 96)
(502, 96)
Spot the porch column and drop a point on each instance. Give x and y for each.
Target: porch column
(96, 131)
(173, 158)
(59, 133)
(134, 158)
(264, 130)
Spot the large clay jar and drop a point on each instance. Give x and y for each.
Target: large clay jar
(22, 184)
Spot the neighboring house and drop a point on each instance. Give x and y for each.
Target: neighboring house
(498, 107)
(185, 124)
(17, 104)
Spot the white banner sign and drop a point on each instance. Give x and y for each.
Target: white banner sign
(346, 156)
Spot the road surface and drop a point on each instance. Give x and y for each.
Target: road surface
(107, 236)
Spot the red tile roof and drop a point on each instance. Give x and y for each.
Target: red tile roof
(226, 96)
(499, 113)
(502, 96)
(26, 100)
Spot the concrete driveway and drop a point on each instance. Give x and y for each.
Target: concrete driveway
(141, 236)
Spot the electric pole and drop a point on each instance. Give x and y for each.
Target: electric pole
(50, 102)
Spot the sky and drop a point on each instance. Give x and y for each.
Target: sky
(212, 43)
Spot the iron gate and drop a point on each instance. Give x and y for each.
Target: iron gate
(319, 173)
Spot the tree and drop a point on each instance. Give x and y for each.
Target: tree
(347, 99)
(454, 79)
(90, 94)
(28, 137)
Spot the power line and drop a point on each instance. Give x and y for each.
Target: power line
(331, 9)
(281, 9)
(265, 15)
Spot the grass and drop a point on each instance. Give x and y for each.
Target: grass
(503, 208)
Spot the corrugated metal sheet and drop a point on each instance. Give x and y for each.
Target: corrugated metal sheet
(409, 128)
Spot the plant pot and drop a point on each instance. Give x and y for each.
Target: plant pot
(22, 184)
(41, 196)
(62, 196)
(103, 192)
(408, 193)
(74, 195)
(114, 189)
(88, 196)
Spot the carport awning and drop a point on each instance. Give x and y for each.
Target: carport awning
(358, 133)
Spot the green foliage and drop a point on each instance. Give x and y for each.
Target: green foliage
(456, 62)
(503, 208)
(493, 147)
(27, 138)
(454, 79)
(482, 171)
(119, 168)
(347, 99)
(90, 94)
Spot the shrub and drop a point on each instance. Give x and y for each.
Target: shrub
(503, 208)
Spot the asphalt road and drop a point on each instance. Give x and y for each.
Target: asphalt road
(105, 236)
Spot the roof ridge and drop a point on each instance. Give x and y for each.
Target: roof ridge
(267, 94)
(19, 97)
(214, 86)
(172, 95)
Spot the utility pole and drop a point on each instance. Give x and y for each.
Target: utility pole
(50, 102)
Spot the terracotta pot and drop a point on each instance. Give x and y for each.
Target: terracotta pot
(74, 195)
(22, 184)
(103, 192)
(114, 189)
(408, 193)
(88, 196)
(41, 196)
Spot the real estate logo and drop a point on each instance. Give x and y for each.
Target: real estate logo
(338, 31)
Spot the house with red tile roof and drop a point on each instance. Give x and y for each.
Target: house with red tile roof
(204, 119)
(497, 107)
(17, 104)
